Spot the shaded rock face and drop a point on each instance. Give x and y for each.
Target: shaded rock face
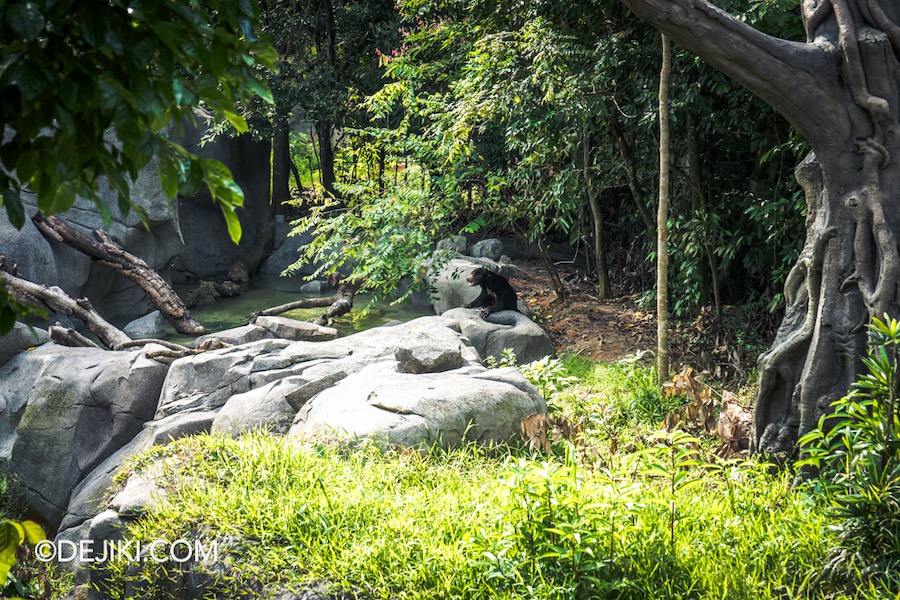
(192, 233)
(208, 249)
(63, 411)
(491, 248)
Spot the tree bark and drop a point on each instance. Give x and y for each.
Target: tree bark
(662, 217)
(106, 253)
(840, 90)
(628, 158)
(709, 270)
(281, 167)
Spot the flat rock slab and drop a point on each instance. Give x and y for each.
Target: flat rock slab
(237, 335)
(292, 329)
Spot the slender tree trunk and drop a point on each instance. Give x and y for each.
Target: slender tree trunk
(326, 157)
(603, 287)
(281, 167)
(296, 173)
(709, 271)
(637, 194)
(662, 216)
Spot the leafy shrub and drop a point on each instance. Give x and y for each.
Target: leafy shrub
(548, 375)
(857, 452)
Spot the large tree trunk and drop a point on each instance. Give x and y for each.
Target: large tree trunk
(840, 90)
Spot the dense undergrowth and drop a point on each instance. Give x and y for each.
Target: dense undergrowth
(656, 515)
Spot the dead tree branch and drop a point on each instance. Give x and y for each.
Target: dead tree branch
(105, 252)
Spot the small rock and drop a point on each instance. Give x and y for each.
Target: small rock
(140, 495)
(315, 287)
(490, 248)
(107, 525)
(424, 359)
(22, 337)
(455, 243)
(152, 325)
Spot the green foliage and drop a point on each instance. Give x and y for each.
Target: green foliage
(72, 75)
(11, 310)
(561, 531)
(616, 395)
(548, 375)
(510, 116)
(671, 459)
(856, 449)
(12, 535)
(376, 241)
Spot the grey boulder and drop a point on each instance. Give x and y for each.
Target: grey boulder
(63, 411)
(390, 406)
(491, 248)
(151, 325)
(22, 337)
(511, 330)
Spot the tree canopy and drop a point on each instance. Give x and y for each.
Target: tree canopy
(90, 92)
(72, 74)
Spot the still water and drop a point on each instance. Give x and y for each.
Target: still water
(264, 293)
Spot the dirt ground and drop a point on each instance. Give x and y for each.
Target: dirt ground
(605, 330)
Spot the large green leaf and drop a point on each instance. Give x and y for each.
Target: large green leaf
(26, 20)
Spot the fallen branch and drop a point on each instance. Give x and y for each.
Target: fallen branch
(59, 302)
(105, 252)
(339, 304)
(69, 337)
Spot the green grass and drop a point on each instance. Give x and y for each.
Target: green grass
(661, 521)
(387, 524)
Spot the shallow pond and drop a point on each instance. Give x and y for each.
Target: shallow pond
(264, 293)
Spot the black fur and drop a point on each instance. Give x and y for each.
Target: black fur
(496, 293)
